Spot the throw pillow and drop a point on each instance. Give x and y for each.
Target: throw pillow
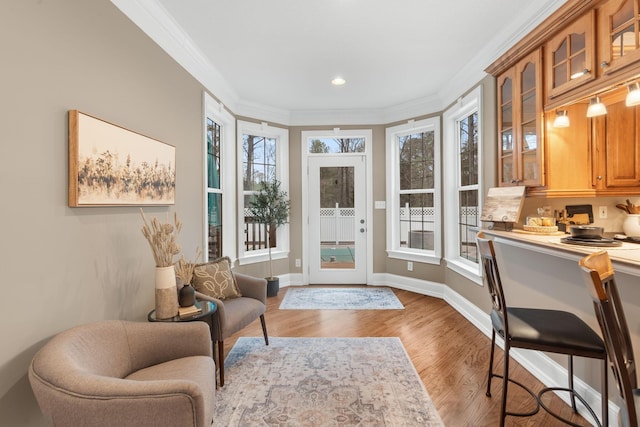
(215, 279)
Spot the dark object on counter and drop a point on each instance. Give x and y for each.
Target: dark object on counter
(578, 211)
(599, 242)
(586, 232)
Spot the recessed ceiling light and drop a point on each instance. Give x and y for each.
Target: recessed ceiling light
(338, 81)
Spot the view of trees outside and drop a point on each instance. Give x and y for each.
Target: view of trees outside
(214, 195)
(468, 193)
(258, 164)
(417, 183)
(337, 184)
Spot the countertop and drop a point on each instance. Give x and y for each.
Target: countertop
(625, 258)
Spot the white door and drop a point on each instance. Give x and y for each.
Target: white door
(337, 244)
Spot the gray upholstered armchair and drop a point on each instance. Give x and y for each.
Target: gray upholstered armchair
(236, 313)
(118, 373)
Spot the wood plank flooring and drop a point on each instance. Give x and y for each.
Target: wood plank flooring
(448, 352)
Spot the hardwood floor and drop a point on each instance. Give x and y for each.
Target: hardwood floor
(448, 352)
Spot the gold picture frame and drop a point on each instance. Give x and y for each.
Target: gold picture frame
(113, 166)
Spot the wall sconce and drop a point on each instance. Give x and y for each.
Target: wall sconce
(596, 108)
(633, 97)
(561, 120)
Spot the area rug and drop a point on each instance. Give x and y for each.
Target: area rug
(322, 382)
(371, 298)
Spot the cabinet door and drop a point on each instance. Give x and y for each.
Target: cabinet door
(618, 29)
(570, 57)
(506, 150)
(618, 134)
(529, 120)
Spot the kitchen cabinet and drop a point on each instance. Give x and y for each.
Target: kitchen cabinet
(520, 123)
(618, 32)
(616, 147)
(570, 56)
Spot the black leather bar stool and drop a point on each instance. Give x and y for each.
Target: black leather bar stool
(552, 331)
(600, 280)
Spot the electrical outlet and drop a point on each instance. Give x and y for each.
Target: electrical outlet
(409, 265)
(602, 212)
(298, 262)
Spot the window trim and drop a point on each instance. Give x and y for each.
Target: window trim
(393, 177)
(218, 113)
(281, 136)
(465, 106)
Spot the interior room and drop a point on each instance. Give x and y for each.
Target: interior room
(189, 75)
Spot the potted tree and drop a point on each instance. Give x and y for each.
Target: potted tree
(270, 206)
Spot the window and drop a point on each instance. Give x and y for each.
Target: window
(219, 148)
(462, 144)
(263, 156)
(413, 208)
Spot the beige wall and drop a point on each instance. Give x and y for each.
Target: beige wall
(67, 266)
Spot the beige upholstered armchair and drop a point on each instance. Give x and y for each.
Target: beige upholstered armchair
(236, 313)
(118, 373)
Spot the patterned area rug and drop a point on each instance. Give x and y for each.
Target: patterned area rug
(297, 382)
(340, 299)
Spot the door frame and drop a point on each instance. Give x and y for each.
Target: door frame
(367, 134)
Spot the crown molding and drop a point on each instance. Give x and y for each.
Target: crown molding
(158, 24)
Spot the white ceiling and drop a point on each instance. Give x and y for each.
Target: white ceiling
(277, 57)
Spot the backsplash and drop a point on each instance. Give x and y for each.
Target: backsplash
(612, 224)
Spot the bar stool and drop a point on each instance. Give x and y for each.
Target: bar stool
(552, 331)
(598, 274)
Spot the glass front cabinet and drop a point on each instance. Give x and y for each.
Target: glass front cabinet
(619, 35)
(520, 120)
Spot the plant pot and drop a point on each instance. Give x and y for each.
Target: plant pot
(273, 286)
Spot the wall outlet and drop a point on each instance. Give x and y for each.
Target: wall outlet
(602, 212)
(409, 265)
(298, 262)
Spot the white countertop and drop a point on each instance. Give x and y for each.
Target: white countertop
(625, 258)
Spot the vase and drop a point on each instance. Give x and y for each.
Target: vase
(187, 296)
(166, 293)
(631, 225)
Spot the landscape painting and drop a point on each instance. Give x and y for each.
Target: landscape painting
(112, 166)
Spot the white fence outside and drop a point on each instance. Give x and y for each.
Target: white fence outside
(338, 225)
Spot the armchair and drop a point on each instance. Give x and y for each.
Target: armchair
(118, 373)
(234, 314)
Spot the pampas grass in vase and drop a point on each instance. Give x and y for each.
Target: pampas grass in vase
(162, 239)
(184, 272)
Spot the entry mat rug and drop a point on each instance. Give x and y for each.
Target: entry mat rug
(324, 382)
(371, 298)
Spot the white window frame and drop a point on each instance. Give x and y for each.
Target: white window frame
(465, 106)
(394, 250)
(282, 174)
(216, 112)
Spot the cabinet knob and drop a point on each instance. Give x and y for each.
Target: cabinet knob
(604, 64)
(599, 177)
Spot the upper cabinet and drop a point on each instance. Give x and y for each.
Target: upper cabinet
(619, 32)
(570, 56)
(520, 123)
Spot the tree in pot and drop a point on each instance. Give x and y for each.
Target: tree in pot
(270, 206)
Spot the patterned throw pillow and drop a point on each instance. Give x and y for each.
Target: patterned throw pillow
(215, 279)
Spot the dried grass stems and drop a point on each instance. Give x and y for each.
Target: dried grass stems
(162, 238)
(184, 268)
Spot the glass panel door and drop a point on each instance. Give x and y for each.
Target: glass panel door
(337, 228)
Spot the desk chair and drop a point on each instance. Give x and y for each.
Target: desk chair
(599, 277)
(537, 329)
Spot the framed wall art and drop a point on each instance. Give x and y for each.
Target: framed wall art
(113, 166)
